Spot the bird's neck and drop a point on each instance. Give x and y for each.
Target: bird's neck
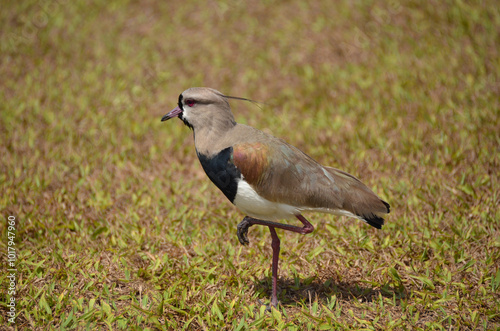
(212, 137)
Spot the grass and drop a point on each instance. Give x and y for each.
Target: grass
(119, 228)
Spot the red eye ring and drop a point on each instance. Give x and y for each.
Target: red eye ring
(190, 102)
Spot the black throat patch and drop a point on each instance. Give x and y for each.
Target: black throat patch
(181, 114)
(179, 103)
(222, 172)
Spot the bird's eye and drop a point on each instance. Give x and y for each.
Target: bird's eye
(190, 102)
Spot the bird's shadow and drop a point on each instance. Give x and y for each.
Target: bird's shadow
(297, 292)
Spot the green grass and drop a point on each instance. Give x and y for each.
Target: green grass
(119, 228)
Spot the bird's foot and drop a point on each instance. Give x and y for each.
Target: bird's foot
(269, 306)
(243, 231)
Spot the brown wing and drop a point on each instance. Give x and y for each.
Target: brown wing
(282, 173)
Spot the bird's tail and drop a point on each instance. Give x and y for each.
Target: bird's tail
(361, 201)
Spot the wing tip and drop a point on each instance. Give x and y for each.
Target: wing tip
(387, 206)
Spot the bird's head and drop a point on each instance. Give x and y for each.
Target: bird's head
(203, 107)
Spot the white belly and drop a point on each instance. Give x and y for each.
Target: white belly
(252, 204)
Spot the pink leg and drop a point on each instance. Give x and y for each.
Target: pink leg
(275, 243)
(249, 221)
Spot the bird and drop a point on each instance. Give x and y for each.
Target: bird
(265, 177)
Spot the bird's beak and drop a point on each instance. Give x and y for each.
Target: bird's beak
(174, 113)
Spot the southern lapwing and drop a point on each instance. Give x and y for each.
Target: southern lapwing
(265, 177)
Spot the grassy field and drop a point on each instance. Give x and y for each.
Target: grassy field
(117, 226)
